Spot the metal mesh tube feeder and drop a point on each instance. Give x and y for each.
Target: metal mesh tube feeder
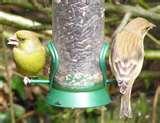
(78, 56)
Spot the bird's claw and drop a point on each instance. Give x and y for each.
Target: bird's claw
(123, 86)
(26, 80)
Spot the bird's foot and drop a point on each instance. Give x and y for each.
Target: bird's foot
(122, 86)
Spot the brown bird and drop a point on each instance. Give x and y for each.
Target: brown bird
(126, 59)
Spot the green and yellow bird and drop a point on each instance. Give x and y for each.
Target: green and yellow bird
(28, 52)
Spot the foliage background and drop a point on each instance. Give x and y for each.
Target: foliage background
(21, 104)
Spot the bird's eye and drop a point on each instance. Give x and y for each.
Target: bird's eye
(20, 38)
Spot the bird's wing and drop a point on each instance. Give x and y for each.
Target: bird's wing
(124, 69)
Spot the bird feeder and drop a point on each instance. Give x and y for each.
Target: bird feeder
(77, 76)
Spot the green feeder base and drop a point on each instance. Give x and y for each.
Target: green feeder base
(69, 99)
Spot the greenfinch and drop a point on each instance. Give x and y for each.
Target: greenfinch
(126, 59)
(28, 52)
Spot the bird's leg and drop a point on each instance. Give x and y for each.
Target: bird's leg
(122, 86)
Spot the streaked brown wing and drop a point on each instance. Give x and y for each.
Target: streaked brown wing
(124, 69)
(125, 50)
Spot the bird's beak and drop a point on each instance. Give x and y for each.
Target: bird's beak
(13, 41)
(152, 25)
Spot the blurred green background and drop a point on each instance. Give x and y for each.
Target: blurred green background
(22, 104)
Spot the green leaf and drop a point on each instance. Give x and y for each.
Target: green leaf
(19, 110)
(89, 110)
(41, 106)
(142, 105)
(17, 85)
(147, 83)
(3, 117)
(143, 3)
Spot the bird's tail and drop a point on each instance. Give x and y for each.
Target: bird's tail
(125, 109)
